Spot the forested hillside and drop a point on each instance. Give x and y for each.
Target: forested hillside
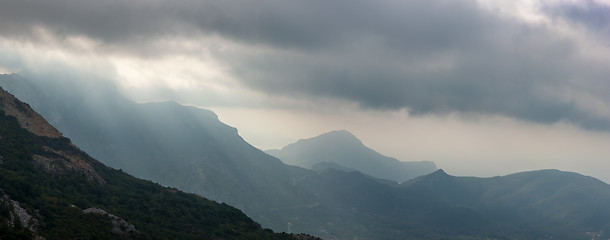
(51, 189)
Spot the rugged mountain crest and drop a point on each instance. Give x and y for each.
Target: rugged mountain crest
(27, 118)
(53, 158)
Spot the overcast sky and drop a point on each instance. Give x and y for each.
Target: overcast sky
(481, 87)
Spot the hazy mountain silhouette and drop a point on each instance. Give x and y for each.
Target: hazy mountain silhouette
(561, 203)
(342, 150)
(529, 205)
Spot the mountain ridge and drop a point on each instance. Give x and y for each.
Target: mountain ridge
(45, 194)
(346, 151)
(27, 118)
(183, 147)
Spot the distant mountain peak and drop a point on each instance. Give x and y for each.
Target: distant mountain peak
(342, 133)
(340, 149)
(337, 136)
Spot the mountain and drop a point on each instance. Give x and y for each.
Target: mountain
(190, 149)
(50, 189)
(544, 204)
(564, 205)
(342, 150)
(183, 147)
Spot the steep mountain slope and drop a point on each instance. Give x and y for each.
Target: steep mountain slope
(183, 147)
(51, 189)
(342, 150)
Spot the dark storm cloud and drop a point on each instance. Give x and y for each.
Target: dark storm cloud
(299, 24)
(431, 57)
(94, 18)
(495, 67)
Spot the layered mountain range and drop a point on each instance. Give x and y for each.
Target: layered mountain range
(188, 148)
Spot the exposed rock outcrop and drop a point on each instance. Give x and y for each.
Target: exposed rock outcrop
(302, 236)
(59, 162)
(119, 225)
(17, 214)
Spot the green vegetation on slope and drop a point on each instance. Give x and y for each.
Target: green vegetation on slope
(56, 200)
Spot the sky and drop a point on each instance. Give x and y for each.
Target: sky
(480, 87)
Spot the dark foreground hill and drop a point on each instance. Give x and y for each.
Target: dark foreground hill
(343, 151)
(49, 189)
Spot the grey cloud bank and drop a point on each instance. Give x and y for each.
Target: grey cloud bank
(430, 57)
